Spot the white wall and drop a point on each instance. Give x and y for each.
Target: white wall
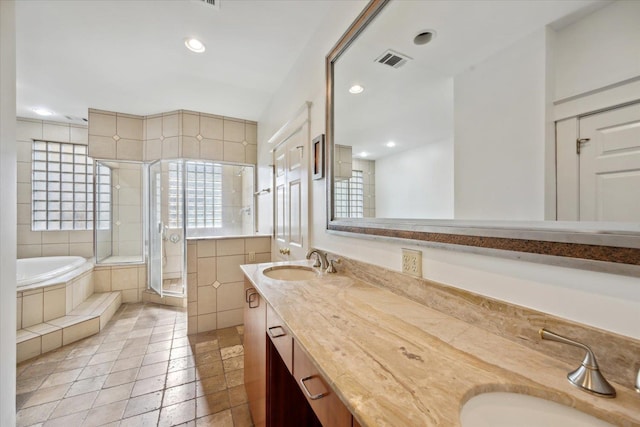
(502, 148)
(429, 170)
(569, 293)
(8, 216)
(590, 53)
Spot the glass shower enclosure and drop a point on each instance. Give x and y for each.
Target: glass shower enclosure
(144, 212)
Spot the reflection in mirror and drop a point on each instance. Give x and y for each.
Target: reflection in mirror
(119, 213)
(445, 110)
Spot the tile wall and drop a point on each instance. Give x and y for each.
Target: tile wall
(368, 168)
(216, 283)
(45, 243)
(177, 134)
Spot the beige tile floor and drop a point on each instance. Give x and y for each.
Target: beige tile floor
(141, 370)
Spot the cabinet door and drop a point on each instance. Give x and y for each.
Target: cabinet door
(325, 403)
(255, 361)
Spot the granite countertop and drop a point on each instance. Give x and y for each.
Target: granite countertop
(395, 362)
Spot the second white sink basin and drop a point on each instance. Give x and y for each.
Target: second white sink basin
(290, 272)
(500, 409)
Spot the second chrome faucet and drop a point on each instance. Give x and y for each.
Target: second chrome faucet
(587, 376)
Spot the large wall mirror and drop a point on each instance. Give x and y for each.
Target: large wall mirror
(460, 122)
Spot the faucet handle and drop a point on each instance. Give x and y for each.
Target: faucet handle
(587, 376)
(317, 262)
(638, 381)
(332, 268)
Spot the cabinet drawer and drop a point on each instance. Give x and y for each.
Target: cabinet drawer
(280, 337)
(325, 403)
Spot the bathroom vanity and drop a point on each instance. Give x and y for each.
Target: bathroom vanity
(339, 351)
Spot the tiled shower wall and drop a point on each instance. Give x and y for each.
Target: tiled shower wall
(368, 168)
(45, 243)
(216, 283)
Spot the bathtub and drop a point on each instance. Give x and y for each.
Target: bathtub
(45, 271)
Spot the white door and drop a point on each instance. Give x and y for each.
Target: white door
(291, 184)
(610, 165)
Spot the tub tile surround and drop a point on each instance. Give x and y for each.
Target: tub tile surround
(130, 280)
(432, 361)
(59, 314)
(171, 135)
(617, 355)
(45, 243)
(215, 283)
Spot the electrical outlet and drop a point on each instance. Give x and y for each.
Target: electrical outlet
(252, 256)
(412, 262)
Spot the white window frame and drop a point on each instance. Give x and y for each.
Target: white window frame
(349, 196)
(61, 187)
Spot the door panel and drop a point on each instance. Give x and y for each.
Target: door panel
(156, 227)
(295, 215)
(610, 165)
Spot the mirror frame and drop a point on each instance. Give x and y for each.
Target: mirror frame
(556, 243)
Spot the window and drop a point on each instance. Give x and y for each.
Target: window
(349, 196)
(61, 187)
(175, 195)
(103, 197)
(203, 191)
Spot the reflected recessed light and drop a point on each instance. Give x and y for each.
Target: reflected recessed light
(356, 89)
(43, 112)
(364, 154)
(391, 144)
(194, 45)
(424, 37)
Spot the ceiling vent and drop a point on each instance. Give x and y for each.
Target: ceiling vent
(393, 58)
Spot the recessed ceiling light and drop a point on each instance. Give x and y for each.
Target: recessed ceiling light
(43, 112)
(391, 144)
(364, 154)
(194, 45)
(424, 37)
(355, 89)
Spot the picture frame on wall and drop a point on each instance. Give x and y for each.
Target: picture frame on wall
(317, 148)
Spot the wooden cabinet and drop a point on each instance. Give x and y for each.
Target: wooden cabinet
(283, 387)
(325, 403)
(255, 361)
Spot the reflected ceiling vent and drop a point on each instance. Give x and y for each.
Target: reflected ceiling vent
(76, 119)
(213, 3)
(393, 59)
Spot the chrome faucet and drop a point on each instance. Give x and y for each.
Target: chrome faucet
(638, 382)
(588, 376)
(321, 258)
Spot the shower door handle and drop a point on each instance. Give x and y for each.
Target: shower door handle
(160, 226)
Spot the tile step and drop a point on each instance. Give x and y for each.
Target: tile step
(89, 318)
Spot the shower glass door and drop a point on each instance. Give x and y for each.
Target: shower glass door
(156, 227)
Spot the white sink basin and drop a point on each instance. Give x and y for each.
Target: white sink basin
(499, 409)
(290, 272)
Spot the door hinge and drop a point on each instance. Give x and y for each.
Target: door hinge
(579, 142)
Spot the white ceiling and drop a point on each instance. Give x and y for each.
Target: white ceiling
(413, 105)
(129, 56)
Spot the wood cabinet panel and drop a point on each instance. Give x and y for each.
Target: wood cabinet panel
(325, 403)
(280, 337)
(255, 360)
